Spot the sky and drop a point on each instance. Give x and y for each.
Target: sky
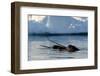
(58, 24)
(40, 18)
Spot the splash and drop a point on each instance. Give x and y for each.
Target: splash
(48, 22)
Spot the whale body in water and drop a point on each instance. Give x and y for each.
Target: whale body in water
(69, 48)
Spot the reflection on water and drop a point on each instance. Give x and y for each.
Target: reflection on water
(37, 52)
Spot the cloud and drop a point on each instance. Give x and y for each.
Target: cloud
(83, 19)
(36, 18)
(72, 26)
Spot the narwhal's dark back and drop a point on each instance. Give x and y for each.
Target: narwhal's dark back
(73, 48)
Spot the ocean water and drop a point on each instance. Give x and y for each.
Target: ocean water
(37, 52)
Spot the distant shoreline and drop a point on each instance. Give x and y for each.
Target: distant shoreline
(57, 34)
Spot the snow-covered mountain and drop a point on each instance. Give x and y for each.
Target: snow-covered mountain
(59, 24)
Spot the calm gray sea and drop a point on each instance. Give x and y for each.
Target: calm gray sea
(37, 52)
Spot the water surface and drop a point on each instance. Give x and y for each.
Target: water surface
(37, 52)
